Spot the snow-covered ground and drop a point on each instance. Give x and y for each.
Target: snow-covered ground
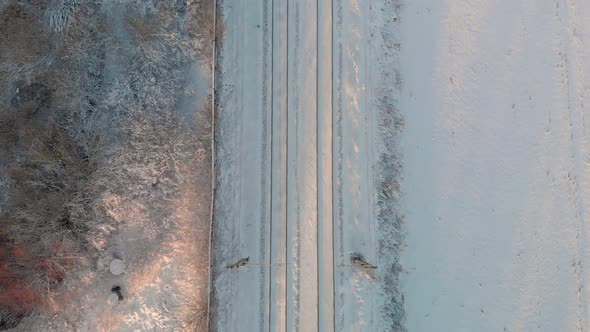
(307, 119)
(312, 97)
(496, 165)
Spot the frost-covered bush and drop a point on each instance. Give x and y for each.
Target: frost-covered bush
(94, 136)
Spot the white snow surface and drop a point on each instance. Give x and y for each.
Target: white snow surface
(496, 165)
(307, 122)
(495, 159)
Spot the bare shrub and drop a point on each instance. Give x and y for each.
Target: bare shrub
(43, 233)
(89, 151)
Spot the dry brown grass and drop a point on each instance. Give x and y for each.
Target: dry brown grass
(86, 157)
(191, 247)
(144, 30)
(24, 45)
(43, 229)
(109, 321)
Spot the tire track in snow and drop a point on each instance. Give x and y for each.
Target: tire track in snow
(243, 196)
(309, 111)
(278, 250)
(339, 205)
(325, 169)
(571, 66)
(302, 108)
(266, 112)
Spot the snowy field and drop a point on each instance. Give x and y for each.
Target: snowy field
(446, 143)
(496, 165)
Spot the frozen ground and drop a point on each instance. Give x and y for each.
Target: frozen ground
(490, 97)
(496, 165)
(307, 120)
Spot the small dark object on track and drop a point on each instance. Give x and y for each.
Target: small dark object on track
(358, 260)
(239, 263)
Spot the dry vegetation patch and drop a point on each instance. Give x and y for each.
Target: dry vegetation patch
(104, 153)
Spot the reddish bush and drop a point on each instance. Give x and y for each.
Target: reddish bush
(19, 251)
(20, 298)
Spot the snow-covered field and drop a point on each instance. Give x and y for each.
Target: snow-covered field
(496, 165)
(446, 142)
